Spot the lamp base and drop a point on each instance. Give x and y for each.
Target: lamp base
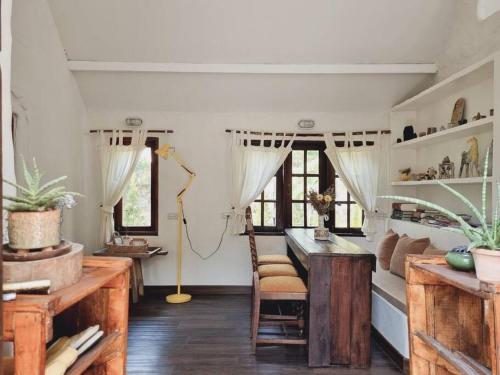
(178, 298)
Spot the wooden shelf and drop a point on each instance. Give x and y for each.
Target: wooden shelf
(461, 131)
(455, 359)
(466, 77)
(450, 181)
(87, 359)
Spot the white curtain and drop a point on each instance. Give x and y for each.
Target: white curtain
(118, 162)
(253, 166)
(360, 168)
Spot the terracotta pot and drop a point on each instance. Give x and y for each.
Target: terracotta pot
(487, 264)
(34, 230)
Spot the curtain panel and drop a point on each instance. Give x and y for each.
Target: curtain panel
(255, 160)
(118, 162)
(363, 170)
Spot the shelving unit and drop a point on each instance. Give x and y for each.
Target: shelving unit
(453, 319)
(451, 181)
(100, 297)
(461, 131)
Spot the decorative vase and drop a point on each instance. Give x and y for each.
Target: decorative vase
(460, 258)
(322, 233)
(34, 230)
(487, 264)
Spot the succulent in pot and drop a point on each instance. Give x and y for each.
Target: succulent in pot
(34, 216)
(484, 239)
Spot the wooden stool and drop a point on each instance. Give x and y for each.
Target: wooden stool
(267, 265)
(278, 288)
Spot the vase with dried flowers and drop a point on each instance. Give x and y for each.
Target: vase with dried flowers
(322, 203)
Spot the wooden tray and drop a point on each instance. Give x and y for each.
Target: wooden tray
(139, 245)
(12, 255)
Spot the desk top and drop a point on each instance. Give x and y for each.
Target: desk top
(336, 246)
(97, 272)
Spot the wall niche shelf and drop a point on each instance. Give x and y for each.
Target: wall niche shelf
(461, 131)
(451, 181)
(474, 73)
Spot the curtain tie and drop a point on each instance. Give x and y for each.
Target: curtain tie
(108, 209)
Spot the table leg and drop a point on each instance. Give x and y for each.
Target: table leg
(29, 343)
(133, 283)
(140, 278)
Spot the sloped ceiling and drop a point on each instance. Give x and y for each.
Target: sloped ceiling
(251, 31)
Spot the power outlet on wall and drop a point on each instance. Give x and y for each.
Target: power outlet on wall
(172, 216)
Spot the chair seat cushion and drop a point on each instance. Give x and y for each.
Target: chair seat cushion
(283, 284)
(266, 270)
(274, 259)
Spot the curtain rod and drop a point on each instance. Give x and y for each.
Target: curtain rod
(385, 131)
(161, 131)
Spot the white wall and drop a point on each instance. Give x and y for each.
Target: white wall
(470, 40)
(201, 140)
(53, 114)
(5, 64)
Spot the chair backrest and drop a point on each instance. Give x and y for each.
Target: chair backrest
(251, 239)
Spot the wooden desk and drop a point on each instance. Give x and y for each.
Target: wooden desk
(339, 279)
(100, 297)
(136, 277)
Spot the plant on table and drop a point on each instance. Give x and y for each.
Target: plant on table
(35, 212)
(484, 239)
(322, 203)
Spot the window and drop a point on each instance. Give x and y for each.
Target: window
(137, 212)
(267, 209)
(283, 204)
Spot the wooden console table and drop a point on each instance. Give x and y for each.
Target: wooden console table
(136, 277)
(339, 279)
(454, 319)
(100, 297)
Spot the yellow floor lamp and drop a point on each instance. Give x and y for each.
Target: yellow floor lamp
(165, 151)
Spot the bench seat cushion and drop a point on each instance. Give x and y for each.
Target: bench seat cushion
(266, 270)
(274, 259)
(282, 284)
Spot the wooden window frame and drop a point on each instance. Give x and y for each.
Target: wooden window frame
(279, 227)
(152, 230)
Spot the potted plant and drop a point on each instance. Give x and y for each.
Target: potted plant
(484, 239)
(322, 204)
(34, 219)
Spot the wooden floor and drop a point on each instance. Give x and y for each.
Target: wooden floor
(209, 335)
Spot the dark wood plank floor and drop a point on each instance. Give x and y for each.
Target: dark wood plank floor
(209, 335)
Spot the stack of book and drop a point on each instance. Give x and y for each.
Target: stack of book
(412, 212)
(404, 211)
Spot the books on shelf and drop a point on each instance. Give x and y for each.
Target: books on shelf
(412, 212)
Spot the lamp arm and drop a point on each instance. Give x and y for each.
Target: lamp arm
(191, 174)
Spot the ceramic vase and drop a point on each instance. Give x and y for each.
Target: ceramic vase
(487, 264)
(322, 233)
(34, 230)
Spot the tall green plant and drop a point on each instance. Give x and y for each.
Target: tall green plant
(483, 236)
(35, 197)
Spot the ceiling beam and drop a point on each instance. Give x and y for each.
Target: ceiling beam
(144, 67)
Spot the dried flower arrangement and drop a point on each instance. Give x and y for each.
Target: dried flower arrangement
(322, 203)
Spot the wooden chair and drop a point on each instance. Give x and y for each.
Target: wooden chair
(267, 265)
(278, 288)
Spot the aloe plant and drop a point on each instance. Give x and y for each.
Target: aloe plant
(35, 197)
(483, 236)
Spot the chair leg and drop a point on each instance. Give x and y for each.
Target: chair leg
(251, 311)
(255, 320)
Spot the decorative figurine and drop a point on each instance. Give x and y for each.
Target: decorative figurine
(404, 174)
(458, 113)
(409, 133)
(492, 112)
(479, 116)
(431, 130)
(431, 174)
(470, 159)
(446, 169)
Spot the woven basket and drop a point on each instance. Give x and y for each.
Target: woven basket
(138, 245)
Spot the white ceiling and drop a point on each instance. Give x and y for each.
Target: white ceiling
(251, 31)
(254, 31)
(242, 93)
